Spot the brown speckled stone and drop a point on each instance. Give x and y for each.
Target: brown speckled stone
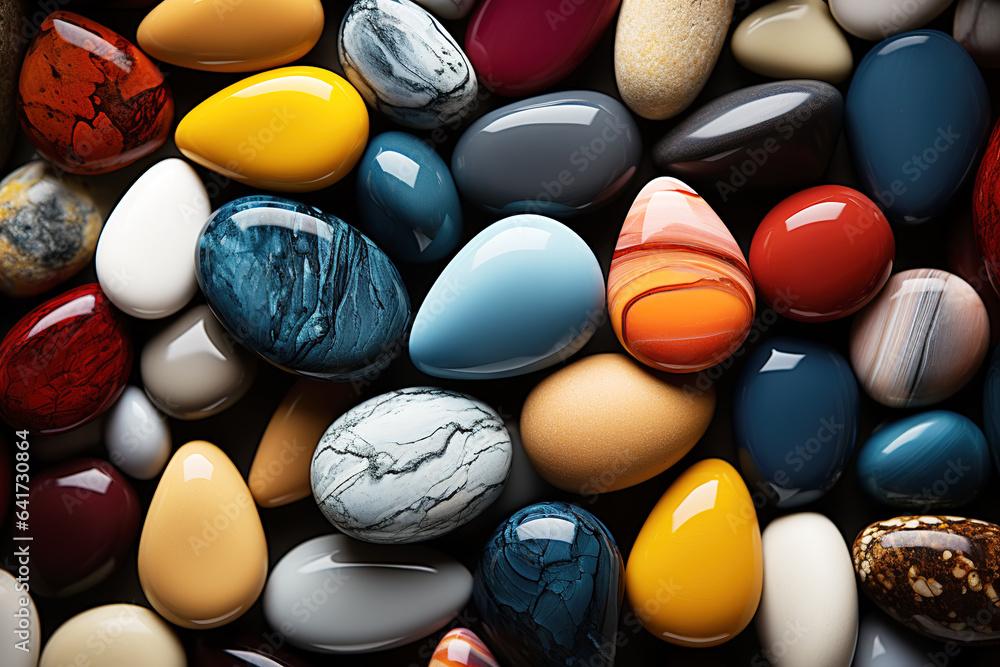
(12, 47)
(937, 575)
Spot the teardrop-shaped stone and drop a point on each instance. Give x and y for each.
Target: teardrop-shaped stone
(680, 294)
(695, 573)
(526, 293)
(114, 635)
(18, 622)
(202, 554)
(242, 36)
(549, 588)
(293, 129)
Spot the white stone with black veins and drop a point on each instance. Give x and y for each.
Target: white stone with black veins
(410, 465)
(405, 64)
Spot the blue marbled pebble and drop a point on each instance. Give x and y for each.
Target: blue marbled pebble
(302, 288)
(795, 418)
(549, 588)
(928, 461)
(407, 199)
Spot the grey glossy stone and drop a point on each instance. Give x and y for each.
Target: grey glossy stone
(977, 28)
(884, 643)
(559, 155)
(334, 594)
(774, 135)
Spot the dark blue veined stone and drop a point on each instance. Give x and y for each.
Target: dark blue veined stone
(917, 114)
(795, 418)
(991, 406)
(925, 462)
(302, 288)
(407, 199)
(549, 589)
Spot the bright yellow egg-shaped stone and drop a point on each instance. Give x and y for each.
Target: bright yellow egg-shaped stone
(294, 129)
(695, 572)
(202, 554)
(231, 35)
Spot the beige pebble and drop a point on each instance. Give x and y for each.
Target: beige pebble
(115, 635)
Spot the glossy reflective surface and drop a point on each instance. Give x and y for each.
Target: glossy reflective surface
(241, 652)
(293, 129)
(18, 609)
(462, 648)
(137, 435)
(522, 295)
(548, 587)
(884, 643)
(986, 207)
(114, 635)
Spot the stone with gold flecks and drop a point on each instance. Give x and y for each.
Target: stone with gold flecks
(938, 575)
(462, 648)
(202, 554)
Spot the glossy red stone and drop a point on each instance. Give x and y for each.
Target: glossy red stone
(90, 101)
(64, 363)
(84, 520)
(520, 47)
(986, 207)
(822, 254)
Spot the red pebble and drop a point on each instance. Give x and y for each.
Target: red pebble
(64, 363)
(986, 207)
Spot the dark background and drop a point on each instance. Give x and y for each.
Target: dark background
(238, 430)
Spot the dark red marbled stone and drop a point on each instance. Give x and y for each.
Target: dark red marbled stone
(89, 100)
(84, 519)
(64, 363)
(986, 207)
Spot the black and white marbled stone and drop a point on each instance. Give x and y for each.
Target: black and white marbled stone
(405, 64)
(410, 465)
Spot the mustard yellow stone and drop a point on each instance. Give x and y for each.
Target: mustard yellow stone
(113, 635)
(695, 573)
(202, 554)
(293, 129)
(231, 36)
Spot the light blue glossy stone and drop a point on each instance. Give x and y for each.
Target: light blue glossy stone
(929, 461)
(407, 199)
(917, 114)
(991, 406)
(524, 294)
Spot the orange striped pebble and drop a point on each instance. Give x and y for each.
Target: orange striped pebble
(462, 648)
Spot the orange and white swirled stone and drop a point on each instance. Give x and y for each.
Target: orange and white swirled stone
(462, 648)
(680, 294)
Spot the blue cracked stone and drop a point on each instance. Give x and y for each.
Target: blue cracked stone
(301, 288)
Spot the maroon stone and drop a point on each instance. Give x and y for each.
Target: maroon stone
(986, 207)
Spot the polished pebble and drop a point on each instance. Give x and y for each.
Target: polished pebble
(524, 294)
(202, 554)
(877, 20)
(192, 369)
(607, 422)
(114, 635)
(680, 295)
(376, 597)
(986, 208)
(977, 28)
(882, 642)
(137, 435)
(921, 340)
(145, 256)
(49, 226)
(462, 648)
(19, 624)
(549, 586)
(410, 465)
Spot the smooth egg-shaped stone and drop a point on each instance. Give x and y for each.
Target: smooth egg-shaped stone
(773, 135)
(410, 465)
(407, 199)
(302, 288)
(364, 597)
(991, 406)
(680, 295)
(822, 254)
(878, 20)
(921, 340)
(917, 114)
(64, 363)
(793, 39)
(406, 64)
(795, 419)
(521, 47)
(19, 623)
(884, 643)
(935, 574)
(986, 209)
(145, 256)
(549, 588)
(49, 226)
(293, 129)
(279, 473)
(607, 422)
(137, 435)
(560, 154)
(526, 293)
(462, 648)
(695, 572)
(242, 36)
(977, 28)
(202, 554)
(193, 369)
(926, 462)
(820, 611)
(84, 519)
(114, 635)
